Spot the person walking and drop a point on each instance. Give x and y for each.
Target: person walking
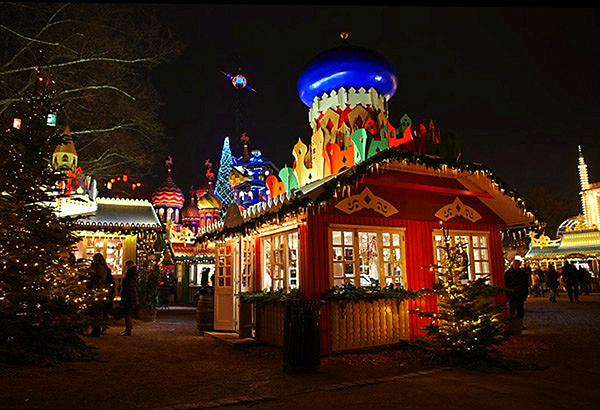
(535, 283)
(129, 296)
(542, 283)
(99, 272)
(584, 279)
(204, 281)
(517, 284)
(570, 278)
(552, 282)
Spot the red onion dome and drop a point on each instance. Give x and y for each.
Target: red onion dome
(190, 211)
(168, 194)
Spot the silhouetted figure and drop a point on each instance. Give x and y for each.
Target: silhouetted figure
(129, 296)
(569, 272)
(584, 278)
(517, 284)
(99, 272)
(204, 281)
(552, 282)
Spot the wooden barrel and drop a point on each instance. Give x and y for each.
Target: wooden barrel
(205, 313)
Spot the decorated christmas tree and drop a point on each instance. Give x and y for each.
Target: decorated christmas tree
(468, 324)
(223, 188)
(43, 294)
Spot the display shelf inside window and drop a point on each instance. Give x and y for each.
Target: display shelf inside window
(293, 280)
(392, 259)
(369, 257)
(343, 257)
(247, 264)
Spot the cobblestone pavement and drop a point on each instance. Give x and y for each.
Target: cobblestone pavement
(167, 364)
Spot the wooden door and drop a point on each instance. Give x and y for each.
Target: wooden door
(244, 281)
(224, 301)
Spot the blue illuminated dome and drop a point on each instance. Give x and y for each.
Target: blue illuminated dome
(346, 66)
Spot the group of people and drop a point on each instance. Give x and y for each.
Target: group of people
(100, 277)
(574, 280)
(520, 282)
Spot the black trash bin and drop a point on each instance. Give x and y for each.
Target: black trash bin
(302, 336)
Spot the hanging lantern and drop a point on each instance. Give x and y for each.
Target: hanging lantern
(17, 123)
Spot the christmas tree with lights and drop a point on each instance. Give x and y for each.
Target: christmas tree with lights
(43, 293)
(468, 324)
(223, 188)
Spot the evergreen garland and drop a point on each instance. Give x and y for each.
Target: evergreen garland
(350, 178)
(350, 293)
(268, 297)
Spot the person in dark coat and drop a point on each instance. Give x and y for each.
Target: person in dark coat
(129, 296)
(584, 279)
(517, 284)
(204, 281)
(569, 272)
(99, 272)
(552, 282)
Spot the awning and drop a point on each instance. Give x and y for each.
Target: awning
(121, 214)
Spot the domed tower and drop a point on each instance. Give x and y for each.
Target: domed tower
(346, 88)
(208, 203)
(346, 76)
(168, 198)
(64, 157)
(190, 216)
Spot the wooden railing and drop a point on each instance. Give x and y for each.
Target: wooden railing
(354, 325)
(362, 324)
(269, 323)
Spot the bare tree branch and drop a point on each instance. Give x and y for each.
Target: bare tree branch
(99, 58)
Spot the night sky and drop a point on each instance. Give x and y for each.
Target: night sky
(520, 86)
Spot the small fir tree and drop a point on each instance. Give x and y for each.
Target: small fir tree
(468, 324)
(43, 294)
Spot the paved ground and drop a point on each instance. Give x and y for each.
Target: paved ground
(167, 364)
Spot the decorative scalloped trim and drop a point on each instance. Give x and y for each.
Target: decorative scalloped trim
(343, 97)
(123, 201)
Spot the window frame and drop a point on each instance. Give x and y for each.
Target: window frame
(453, 233)
(283, 262)
(379, 231)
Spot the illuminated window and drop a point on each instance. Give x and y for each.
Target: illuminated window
(110, 247)
(223, 265)
(280, 265)
(247, 276)
(361, 256)
(476, 249)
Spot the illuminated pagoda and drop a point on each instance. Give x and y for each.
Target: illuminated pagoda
(182, 223)
(119, 229)
(579, 236)
(363, 204)
(248, 176)
(168, 198)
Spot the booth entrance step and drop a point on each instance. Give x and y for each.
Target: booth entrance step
(232, 338)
